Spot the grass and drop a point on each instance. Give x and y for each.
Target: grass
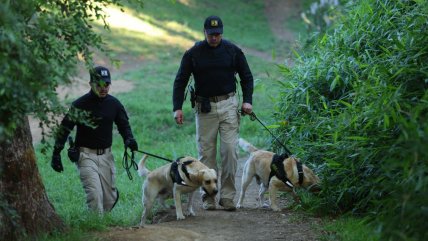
(349, 229)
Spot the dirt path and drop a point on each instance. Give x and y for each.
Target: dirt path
(247, 224)
(277, 13)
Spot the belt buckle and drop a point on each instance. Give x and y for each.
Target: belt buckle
(100, 151)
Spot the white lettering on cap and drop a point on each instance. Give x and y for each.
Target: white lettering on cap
(104, 73)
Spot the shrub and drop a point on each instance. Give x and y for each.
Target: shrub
(356, 107)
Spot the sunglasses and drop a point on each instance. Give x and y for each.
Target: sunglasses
(102, 84)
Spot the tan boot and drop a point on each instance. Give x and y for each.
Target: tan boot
(227, 204)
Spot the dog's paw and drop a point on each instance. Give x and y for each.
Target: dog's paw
(170, 207)
(180, 217)
(191, 213)
(239, 206)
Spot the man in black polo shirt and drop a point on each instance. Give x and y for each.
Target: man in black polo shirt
(214, 63)
(94, 139)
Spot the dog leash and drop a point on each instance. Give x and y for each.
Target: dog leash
(153, 155)
(254, 117)
(128, 164)
(129, 161)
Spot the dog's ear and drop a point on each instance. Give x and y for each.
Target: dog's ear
(310, 178)
(198, 176)
(211, 172)
(195, 176)
(202, 173)
(284, 156)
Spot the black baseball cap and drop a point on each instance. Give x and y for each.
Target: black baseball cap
(100, 73)
(213, 24)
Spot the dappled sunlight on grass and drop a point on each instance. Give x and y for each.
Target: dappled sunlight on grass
(150, 30)
(184, 2)
(119, 19)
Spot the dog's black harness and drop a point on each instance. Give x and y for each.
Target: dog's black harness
(277, 169)
(175, 173)
(300, 171)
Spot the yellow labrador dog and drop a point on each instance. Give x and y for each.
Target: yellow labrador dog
(185, 175)
(274, 173)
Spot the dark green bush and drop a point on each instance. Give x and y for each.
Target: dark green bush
(356, 106)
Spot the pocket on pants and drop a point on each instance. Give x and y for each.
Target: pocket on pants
(113, 172)
(233, 117)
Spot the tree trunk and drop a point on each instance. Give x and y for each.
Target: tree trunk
(24, 206)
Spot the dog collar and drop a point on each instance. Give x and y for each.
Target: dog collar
(277, 169)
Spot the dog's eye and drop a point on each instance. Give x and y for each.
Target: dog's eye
(215, 180)
(207, 182)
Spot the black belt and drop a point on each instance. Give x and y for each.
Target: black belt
(215, 98)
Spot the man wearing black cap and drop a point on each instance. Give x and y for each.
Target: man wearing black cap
(94, 114)
(214, 63)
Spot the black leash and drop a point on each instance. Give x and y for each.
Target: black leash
(129, 161)
(127, 165)
(153, 155)
(254, 117)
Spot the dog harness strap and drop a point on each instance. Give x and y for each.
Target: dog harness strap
(184, 169)
(300, 171)
(277, 169)
(175, 173)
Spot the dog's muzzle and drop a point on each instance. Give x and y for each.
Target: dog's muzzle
(214, 192)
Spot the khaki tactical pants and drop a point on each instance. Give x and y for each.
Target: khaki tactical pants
(97, 174)
(223, 120)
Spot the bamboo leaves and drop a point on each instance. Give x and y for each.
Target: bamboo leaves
(358, 103)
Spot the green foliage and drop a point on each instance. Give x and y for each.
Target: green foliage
(40, 42)
(357, 107)
(349, 229)
(320, 14)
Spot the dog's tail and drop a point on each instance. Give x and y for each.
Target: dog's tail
(246, 146)
(142, 170)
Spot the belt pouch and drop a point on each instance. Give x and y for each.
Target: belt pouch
(205, 105)
(73, 154)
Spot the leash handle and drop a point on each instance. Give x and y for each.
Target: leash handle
(253, 117)
(128, 161)
(130, 165)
